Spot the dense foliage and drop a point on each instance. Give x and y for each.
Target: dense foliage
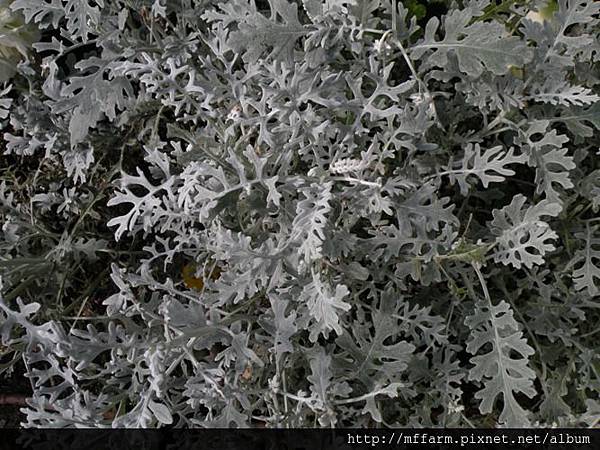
(315, 213)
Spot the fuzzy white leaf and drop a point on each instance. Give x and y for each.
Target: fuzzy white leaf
(501, 372)
(521, 234)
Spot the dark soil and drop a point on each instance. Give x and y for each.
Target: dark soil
(16, 384)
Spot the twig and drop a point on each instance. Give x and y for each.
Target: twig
(13, 399)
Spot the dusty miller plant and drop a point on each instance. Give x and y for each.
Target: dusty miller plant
(292, 214)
